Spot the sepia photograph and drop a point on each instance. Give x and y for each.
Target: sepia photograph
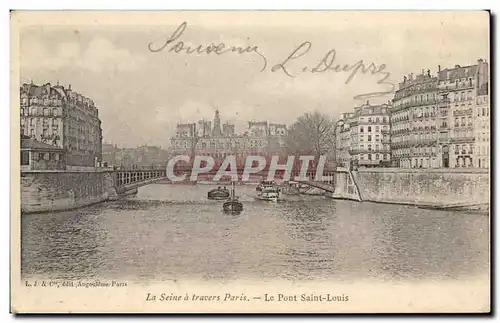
(250, 161)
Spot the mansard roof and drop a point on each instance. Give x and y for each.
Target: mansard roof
(458, 72)
(47, 90)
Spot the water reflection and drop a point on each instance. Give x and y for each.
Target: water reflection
(172, 234)
(69, 244)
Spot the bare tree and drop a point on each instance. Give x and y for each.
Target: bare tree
(313, 133)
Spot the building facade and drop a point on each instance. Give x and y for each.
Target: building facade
(458, 97)
(414, 122)
(363, 137)
(442, 121)
(144, 157)
(220, 140)
(481, 156)
(37, 155)
(63, 118)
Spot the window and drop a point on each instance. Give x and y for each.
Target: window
(369, 156)
(369, 137)
(376, 157)
(369, 129)
(32, 132)
(377, 128)
(361, 129)
(25, 158)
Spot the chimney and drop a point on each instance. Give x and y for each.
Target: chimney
(69, 87)
(423, 71)
(457, 66)
(439, 68)
(480, 61)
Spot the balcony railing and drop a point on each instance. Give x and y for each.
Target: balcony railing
(459, 113)
(443, 103)
(460, 86)
(463, 152)
(369, 151)
(380, 122)
(369, 162)
(462, 139)
(413, 143)
(417, 104)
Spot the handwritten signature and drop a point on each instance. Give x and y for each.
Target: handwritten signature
(173, 44)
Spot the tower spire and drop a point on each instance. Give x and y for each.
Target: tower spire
(217, 129)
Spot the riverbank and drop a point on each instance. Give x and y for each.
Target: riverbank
(445, 189)
(449, 189)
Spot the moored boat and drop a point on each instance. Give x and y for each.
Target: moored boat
(269, 192)
(232, 205)
(218, 193)
(263, 184)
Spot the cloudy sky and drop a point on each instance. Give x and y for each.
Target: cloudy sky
(141, 95)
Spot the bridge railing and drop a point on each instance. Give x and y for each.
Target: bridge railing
(126, 177)
(131, 176)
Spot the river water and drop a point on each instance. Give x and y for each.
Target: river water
(172, 232)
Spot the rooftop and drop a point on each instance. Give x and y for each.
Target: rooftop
(458, 72)
(32, 144)
(52, 91)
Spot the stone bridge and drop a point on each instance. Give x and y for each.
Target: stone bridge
(339, 183)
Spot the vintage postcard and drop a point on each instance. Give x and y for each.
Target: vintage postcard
(250, 162)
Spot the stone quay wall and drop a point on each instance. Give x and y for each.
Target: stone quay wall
(46, 191)
(432, 187)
